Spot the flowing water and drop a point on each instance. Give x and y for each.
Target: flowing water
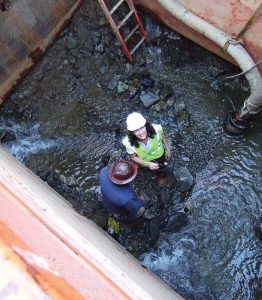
(217, 255)
(67, 124)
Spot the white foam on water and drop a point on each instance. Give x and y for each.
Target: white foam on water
(27, 143)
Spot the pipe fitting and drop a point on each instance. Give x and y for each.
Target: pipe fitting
(234, 124)
(249, 109)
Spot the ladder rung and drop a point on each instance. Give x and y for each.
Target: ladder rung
(125, 19)
(137, 45)
(131, 33)
(116, 6)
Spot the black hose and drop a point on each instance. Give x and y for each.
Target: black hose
(232, 77)
(221, 89)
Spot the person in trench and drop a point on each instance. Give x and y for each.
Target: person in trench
(118, 195)
(147, 145)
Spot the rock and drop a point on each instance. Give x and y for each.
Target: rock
(173, 35)
(108, 40)
(100, 48)
(113, 82)
(215, 85)
(258, 229)
(129, 69)
(170, 102)
(189, 207)
(154, 55)
(157, 107)
(25, 128)
(96, 38)
(179, 106)
(184, 179)
(149, 214)
(147, 82)
(216, 71)
(89, 46)
(181, 112)
(102, 21)
(121, 87)
(132, 91)
(104, 69)
(167, 92)
(170, 113)
(156, 90)
(146, 198)
(244, 86)
(154, 228)
(69, 181)
(81, 33)
(71, 43)
(148, 99)
(185, 158)
(176, 222)
(177, 201)
(6, 136)
(164, 196)
(39, 75)
(62, 178)
(82, 71)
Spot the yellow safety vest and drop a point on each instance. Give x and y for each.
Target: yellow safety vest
(155, 151)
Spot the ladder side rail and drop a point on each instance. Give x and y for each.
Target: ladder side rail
(115, 30)
(137, 20)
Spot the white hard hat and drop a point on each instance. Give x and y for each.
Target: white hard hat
(135, 121)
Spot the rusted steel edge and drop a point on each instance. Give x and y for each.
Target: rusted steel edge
(82, 237)
(22, 277)
(251, 21)
(30, 221)
(8, 86)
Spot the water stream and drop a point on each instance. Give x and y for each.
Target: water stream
(68, 123)
(217, 255)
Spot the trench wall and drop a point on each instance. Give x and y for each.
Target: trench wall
(229, 16)
(27, 27)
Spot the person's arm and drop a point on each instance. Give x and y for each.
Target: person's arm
(133, 156)
(167, 147)
(135, 208)
(144, 163)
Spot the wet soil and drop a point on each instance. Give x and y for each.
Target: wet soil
(74, 94)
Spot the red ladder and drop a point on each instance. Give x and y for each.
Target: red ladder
(116, 27)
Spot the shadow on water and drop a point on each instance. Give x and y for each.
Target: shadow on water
(65, 123)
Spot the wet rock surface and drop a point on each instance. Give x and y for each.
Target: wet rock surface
(75, 102)
(184, 179)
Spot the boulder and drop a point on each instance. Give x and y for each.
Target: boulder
(113, 82)
(176, 222)
(184, 179)
(148, 99)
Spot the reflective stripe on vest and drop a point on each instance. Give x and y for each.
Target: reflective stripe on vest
(155, 151)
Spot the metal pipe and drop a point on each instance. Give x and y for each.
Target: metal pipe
(251, 105)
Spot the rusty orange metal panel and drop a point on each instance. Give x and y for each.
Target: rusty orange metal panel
(24, 275)
(83, 276)
(75, 248)
(27, 28)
